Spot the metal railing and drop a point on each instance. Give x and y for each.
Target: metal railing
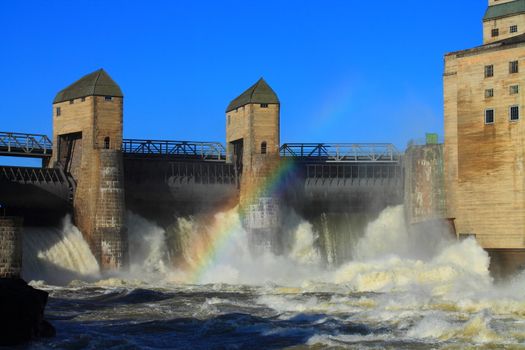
(25, 145)
(342, 152)
(210, 151)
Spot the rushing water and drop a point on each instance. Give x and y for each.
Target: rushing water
(187, 290)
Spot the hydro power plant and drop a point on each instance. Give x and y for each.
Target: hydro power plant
(90, 171)
(253, 243)
(470, 186)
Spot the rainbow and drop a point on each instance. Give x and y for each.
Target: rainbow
(223, 232)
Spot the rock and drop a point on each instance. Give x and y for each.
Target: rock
(22, 313)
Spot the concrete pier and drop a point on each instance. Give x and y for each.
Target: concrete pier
(10, 246)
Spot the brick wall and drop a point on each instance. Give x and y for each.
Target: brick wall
(10, 247)
(424, 183)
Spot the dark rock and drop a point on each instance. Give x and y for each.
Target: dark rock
(22, 312)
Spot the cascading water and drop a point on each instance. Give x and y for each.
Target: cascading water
(57, 255)
(401, 289)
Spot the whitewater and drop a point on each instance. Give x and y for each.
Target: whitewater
(398, 291)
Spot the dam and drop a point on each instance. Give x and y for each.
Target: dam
(92, 173)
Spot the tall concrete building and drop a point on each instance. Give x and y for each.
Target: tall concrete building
(87, 141)
(484, 99)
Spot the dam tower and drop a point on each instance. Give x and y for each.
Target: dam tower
(252, 145)
(87, 141)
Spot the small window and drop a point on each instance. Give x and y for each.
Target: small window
(229, 119)
(106, 143)
(58, 111)
(108, 98)
(514, 29)
(513, 67)
(263, 147)
(514, 89)
(489, 71)
(489, 93)
(514, 113)
(495, 32)
(489, 116)
(264, 105)
(83, 99)
(71, 102)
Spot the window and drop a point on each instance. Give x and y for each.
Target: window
(489, 71)
(108, 98)
(106, 142)
(513, 67)
(514, 113)
(71, 102)
(263, 147)
(514, 89)
(489, 93)
(58, 111)
(264, 105)
(495, 32)
(489, 116)
(83, 99)
(514, 29)
(229, 119)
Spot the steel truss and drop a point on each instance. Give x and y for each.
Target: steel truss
(209, 151)
(342, 152)
(33, 175)
(25, 145)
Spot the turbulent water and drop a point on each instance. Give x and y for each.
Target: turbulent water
(187, 290)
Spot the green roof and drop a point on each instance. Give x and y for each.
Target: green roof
(98, 83)
(504, 10)
(260, 92)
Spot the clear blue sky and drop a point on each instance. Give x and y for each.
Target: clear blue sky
(345, 71)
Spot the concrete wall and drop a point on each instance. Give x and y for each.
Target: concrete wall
(424, 183)
(110, 229)
(10, 246)
(485, 163)
(503, 25)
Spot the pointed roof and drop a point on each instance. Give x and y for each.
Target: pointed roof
(260, 92)
(98, 83)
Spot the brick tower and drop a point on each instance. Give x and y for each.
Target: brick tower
(253, 141)
(87, 139)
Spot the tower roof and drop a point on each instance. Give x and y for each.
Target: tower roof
(505, 9)
(98, 83)
(260, 92)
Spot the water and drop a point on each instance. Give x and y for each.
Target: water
(400, 291)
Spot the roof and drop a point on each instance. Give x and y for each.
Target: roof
(98, 83)
(260, 92)
(504, 10)
(497, 45)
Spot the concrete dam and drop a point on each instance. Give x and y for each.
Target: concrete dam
(91, 172)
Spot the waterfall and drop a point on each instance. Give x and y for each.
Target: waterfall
(57, 255)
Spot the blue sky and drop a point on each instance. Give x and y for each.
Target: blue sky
(345, 71)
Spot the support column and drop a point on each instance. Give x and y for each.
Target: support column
(110, 230)
(10, 246)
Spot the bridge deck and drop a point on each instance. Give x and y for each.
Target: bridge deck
(25, 145)
(37, 145)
